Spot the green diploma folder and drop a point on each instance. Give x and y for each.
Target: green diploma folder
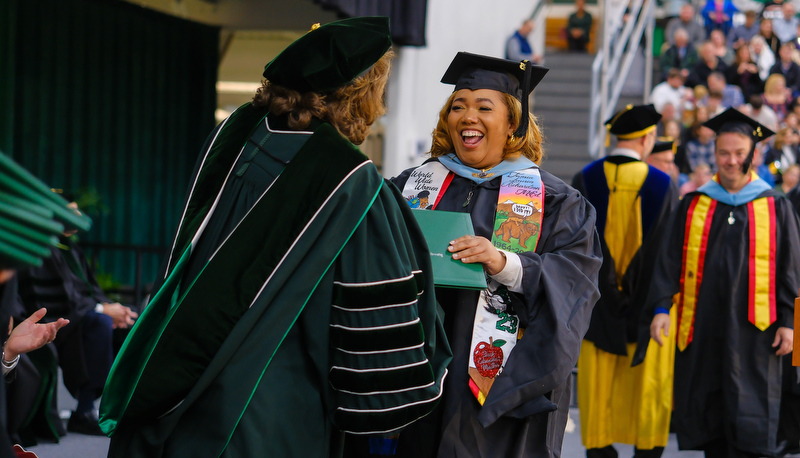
(439, 228)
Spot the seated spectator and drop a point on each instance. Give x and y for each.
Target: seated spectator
(766, 32)
(762, 56)
(743, 33)
(785, 27)
(718, 15)
(671, 9)
(700, 149)
(518, 47)
(709, 62)
(761, 113)
(791, 177)
(713, 103)
(688, 22)
(701, 175)
(796, 42)
(23, 383)
(783, 153)
(67, 287)
(776, 96)
(791, 119)
(700, 97)
(579, 27)
(788, 68)
(744, 74)
(758, 164)
(673, 92)
(731, 95)
(721, 48)
(681, 55)
(795, 107)
(772, 9)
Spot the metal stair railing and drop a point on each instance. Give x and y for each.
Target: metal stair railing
(609, 74)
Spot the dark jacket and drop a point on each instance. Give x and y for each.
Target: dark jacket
(792, 74)
(671, 59)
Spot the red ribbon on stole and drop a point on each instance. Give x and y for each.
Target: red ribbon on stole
(761, 265)
(761, 306)
(698, 223)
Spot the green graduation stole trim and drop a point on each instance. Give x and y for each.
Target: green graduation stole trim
(145, 381)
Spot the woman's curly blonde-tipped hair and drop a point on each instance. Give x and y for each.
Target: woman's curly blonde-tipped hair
(351, 109)
(529, 145)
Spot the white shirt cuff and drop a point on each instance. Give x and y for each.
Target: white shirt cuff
(98, 308)
(8, 367)
(511, 275)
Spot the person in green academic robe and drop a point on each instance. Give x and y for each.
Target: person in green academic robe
(297, 304)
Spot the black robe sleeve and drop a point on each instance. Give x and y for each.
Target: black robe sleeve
(665, 280)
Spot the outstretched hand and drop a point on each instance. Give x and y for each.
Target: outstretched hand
(471, 249)
(30, 335)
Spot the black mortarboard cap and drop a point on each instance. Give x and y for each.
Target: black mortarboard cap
(330, 56)
(633, 121)
(733, 120)
(664, 144)
(516, 78)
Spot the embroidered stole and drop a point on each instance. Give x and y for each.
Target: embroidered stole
(517, 227)
(761, 263)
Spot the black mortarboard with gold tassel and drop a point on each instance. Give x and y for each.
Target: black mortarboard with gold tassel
(665, 144)
(516, 78)
(633, 121)
(733, 120)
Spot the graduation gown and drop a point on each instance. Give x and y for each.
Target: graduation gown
(728, 380)
(615, 317)
(7, 295)
(66, 286)
(306, 315)
(619, 403)
(526, 411)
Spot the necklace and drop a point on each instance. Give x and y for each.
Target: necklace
(484, 173)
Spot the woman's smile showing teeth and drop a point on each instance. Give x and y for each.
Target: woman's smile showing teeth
(471, 137)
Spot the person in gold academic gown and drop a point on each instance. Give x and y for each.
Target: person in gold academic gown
(619, 403)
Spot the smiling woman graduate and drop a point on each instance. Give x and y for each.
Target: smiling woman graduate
(294, 307)
(536, 241)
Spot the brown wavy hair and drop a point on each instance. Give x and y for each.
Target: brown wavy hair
(351, 109)
(529, 146)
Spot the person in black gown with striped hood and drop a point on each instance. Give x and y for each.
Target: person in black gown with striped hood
(732, 258)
